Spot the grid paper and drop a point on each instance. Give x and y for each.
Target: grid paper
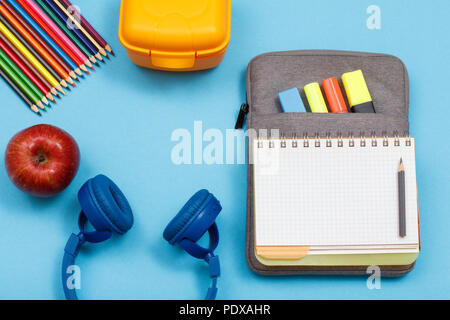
(331, 195)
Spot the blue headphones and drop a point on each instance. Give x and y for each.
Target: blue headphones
(108, 211)
(196, 217)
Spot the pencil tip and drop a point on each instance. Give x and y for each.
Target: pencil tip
(35, 109)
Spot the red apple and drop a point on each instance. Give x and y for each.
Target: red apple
(42, 160)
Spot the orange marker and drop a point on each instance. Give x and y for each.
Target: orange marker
(334, 95)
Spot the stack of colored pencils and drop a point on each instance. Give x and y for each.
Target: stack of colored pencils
(44, 46)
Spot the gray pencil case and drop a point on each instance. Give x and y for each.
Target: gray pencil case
(271, 73)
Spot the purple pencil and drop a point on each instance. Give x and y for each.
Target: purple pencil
(88, 27)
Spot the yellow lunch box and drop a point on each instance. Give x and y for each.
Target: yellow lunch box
(175, 35)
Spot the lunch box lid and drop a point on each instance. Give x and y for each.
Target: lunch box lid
(175, 30)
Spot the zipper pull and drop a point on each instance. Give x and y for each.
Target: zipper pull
(241, 117)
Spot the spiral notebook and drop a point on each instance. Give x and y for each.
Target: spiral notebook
(333, 196)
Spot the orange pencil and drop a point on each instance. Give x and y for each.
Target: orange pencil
(37, 46)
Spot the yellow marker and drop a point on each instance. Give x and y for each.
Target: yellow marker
(28, 55)
(357, 92)
(315, 98)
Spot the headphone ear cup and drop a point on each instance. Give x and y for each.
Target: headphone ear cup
(185, 216)
(105, 206)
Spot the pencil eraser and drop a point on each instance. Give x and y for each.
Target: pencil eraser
(334, 95)
(357, 92)
(291, 101)
(315, 98)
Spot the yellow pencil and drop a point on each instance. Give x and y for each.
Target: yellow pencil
(29, 56)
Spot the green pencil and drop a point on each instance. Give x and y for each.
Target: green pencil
(23, 77)
(66, 30)
(20, 84)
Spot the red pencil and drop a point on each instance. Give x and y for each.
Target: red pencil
(26, 71)
(38, 39)
(52, 35)
(28, 64)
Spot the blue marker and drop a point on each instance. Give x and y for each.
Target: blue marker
(44, 36)
(291, 101)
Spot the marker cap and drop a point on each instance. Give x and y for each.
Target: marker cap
(291, 101)
(357, 92)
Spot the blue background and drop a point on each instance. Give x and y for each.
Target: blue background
(123, 116)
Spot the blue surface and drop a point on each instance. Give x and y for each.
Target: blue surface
(123, 116)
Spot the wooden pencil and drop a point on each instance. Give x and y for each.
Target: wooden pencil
(80, 27)
(26, 43)
(401, 199)
(38, 43)
(47, 30)
(21, 84)
(17, 61)
(60, 18)
(17, 90)
(27, 54)
(28, 64)
(88, 26)
(13, 6)
(22, 77)
(62, 26)
(46, 23)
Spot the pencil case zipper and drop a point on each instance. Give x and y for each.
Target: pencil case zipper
(241, 119)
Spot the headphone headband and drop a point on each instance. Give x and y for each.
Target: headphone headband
(107, 209)
(195, 219)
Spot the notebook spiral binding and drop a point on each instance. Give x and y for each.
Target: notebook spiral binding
(317, 140)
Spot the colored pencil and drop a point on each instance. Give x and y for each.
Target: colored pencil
(54, 37)
(38, 43)
(22, 85)
(62, 26)
(13, 5)
(20, 75)
(61, 17)
(53, 30)
(28, 64)
(29, 73)
(88, 26)
(19, 92)
(30, 48)
(80, 27)
(30, 57)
